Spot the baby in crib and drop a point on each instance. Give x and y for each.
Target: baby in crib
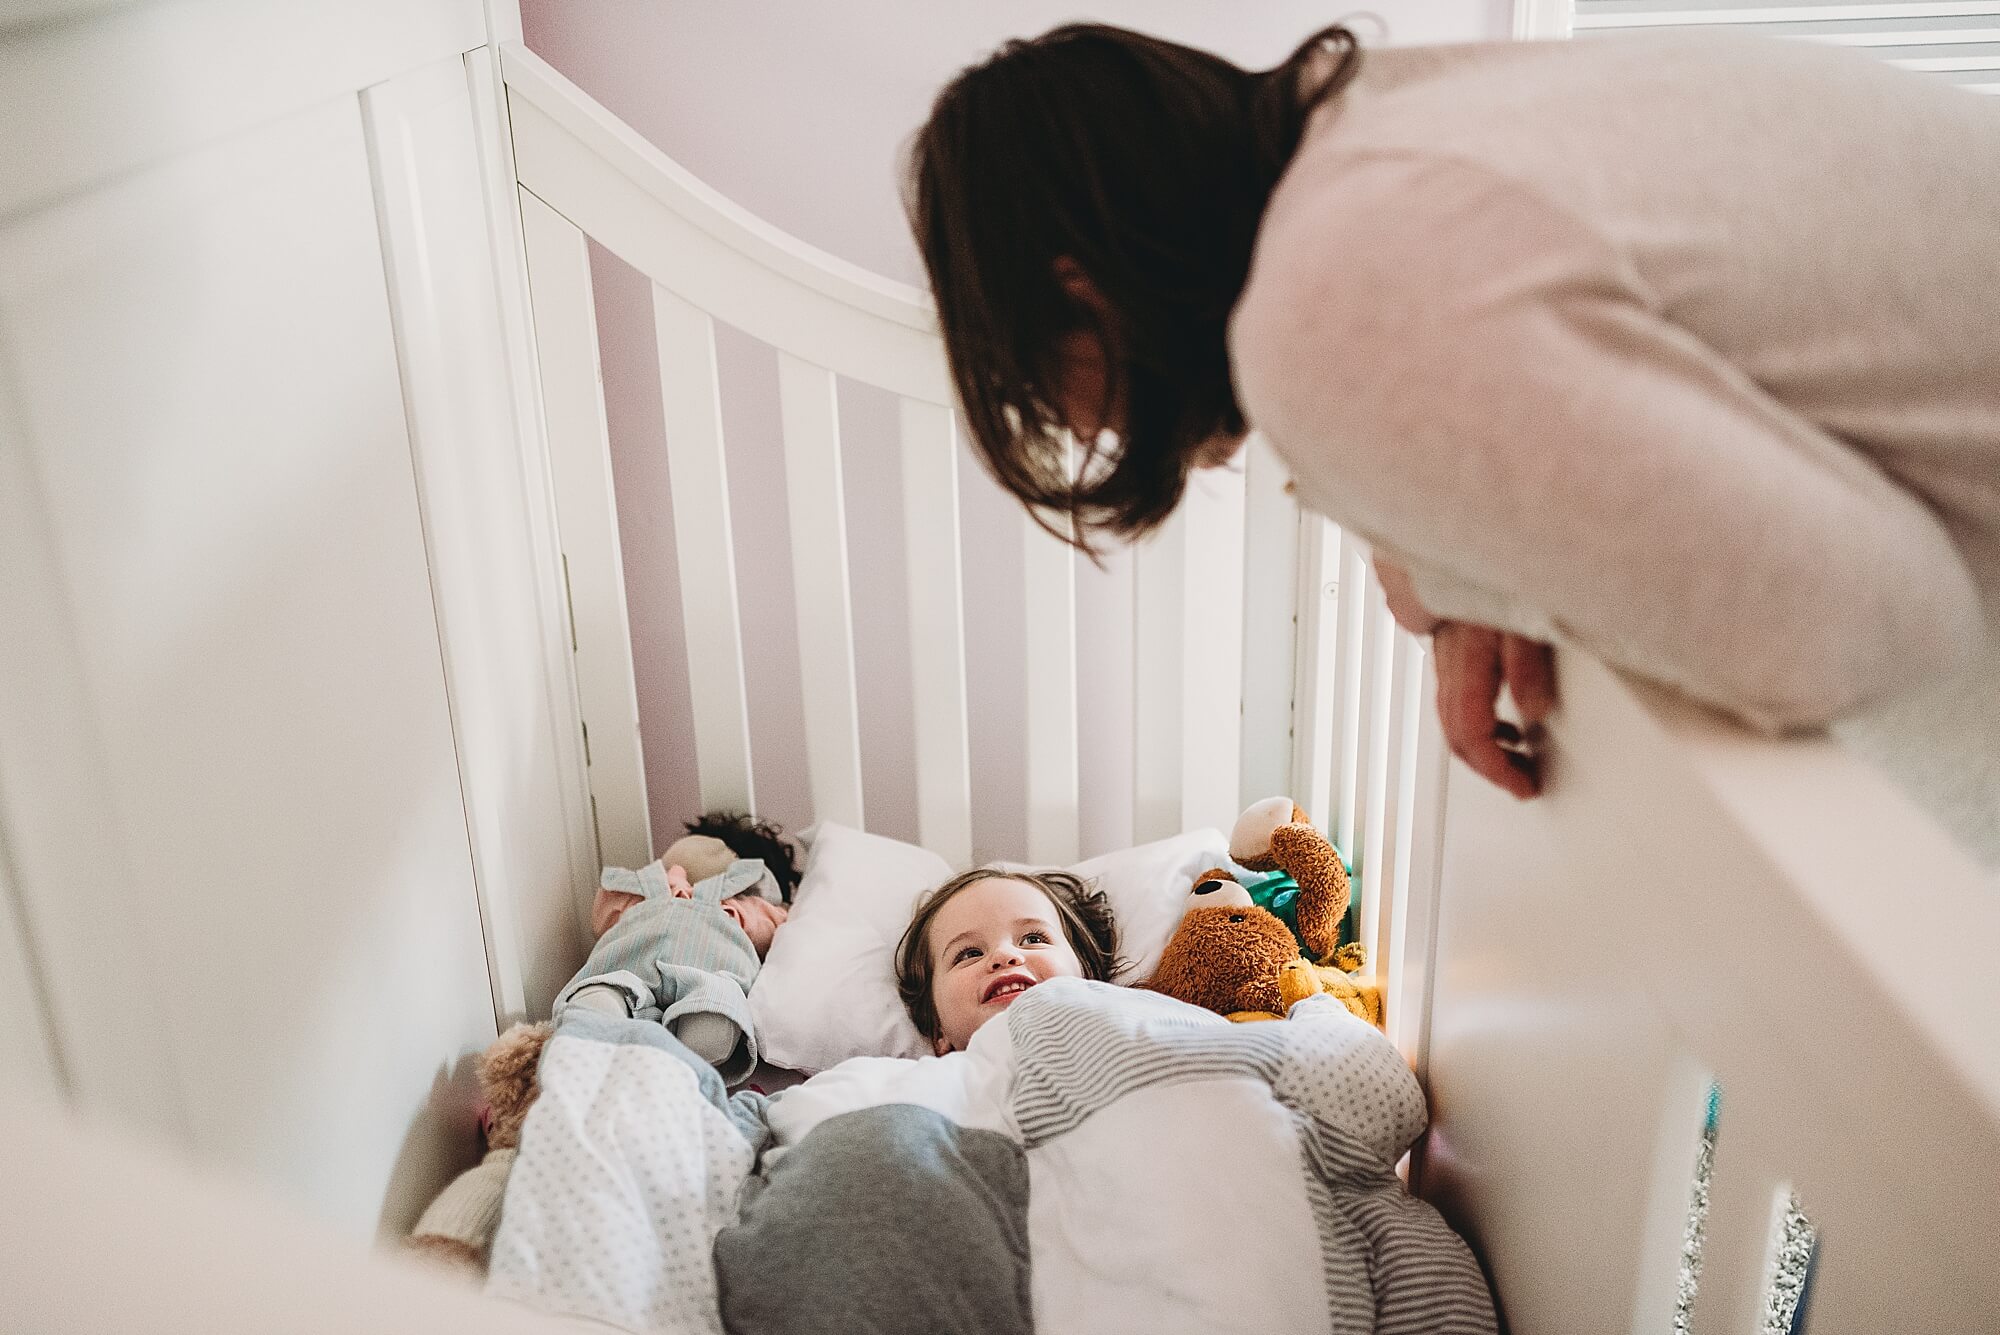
(683, 951)
(986, 936)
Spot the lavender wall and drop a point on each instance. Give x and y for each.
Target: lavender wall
(798, 110)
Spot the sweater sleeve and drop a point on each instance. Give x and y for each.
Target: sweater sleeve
(1476, 381)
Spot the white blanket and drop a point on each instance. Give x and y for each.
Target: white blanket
(1101, 1159)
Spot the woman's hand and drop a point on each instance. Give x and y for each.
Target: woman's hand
(1472, 663)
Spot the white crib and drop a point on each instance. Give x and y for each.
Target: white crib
(291, 822)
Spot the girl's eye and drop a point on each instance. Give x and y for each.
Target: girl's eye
(969, 953)
(1040, 937)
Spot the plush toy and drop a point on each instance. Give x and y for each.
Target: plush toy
(457, 1230)
(1230, 956)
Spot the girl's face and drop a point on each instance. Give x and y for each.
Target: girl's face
(988, 944)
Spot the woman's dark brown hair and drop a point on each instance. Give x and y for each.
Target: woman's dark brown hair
(1082, 909)
(1149, 165)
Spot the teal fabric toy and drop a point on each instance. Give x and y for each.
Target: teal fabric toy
(1279, 893)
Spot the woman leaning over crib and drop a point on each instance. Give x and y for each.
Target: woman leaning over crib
(1677, 349)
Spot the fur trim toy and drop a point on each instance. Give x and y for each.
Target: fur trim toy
(457, 1230)
(1230, 956)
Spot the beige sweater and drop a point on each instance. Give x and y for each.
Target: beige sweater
(1685, 350)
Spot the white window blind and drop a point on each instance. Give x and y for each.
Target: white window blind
(1954, 40)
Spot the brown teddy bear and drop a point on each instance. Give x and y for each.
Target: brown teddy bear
(457, 1230)
(1239, 960)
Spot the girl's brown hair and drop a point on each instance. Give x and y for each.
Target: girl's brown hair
(1082, 909)
(1146, 163)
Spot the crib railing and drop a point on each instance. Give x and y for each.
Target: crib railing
(1264, 659)
(1690, 905)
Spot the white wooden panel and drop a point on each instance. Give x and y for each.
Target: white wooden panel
(816, 501)
(29, 1051)
(431, 203)
(587, 524)
(52, 784)
(1876, 1091)
(1525, 999)
(1159, 594)
(1049, 663)
(266, 791)
(1744, 1198)
(1957, 41)
(28, 1056)
(13, 12)
(84, 100)
(1188, 660)
(1349, 734)
(503, 23)
(1663, 1226)
(1212, 637)
(530, 449)
(1374, 848)
(937, 630)
(121, 1240)
(1270, 625)
(1409, 961)
(1542, 19)
(656, 216)
(691, 400)
(1315, 678)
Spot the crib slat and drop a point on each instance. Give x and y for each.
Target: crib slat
(1213, 647)
(1350, 676)
(1400, 669)
(1661, 1222)
(691, 399)
(1270, 625)
(1318, 603)
(1049, 576)
(1407, 963)
(937, 631)
(1188, 606)
(1374, 854)
(810, 413)
(1158, 594)
(1743, 1204)
(587, 525)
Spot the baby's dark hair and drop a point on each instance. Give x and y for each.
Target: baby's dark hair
(1081, 907)
(749, 838)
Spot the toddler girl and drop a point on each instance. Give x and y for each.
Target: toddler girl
(986, 936)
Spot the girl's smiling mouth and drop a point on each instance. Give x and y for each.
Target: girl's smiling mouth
(1007, 986)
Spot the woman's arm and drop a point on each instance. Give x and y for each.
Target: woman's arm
(1455, 367)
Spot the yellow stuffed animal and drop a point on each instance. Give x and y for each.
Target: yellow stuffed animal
(1239, 960)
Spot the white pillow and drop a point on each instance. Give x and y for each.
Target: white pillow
(827, 990)
(1148, 888)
